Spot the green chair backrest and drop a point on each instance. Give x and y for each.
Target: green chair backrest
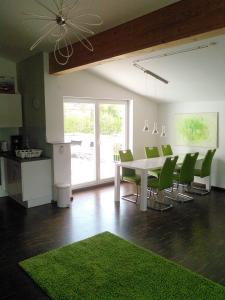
(207, 162)
(151, 152)
(166, 150)
(126, 155)
(166, 174)
(187, 168)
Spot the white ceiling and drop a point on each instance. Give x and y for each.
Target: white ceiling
(17, 36)
(198, 75)
(193, 76)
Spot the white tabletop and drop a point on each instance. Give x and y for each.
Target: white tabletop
(151, 163)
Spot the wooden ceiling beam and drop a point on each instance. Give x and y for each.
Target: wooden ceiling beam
(184, 21)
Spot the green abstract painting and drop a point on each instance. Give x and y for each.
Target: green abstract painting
(198, 129)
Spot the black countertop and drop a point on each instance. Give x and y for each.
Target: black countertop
(12, 156)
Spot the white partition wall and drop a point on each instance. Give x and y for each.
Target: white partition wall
(61, 164)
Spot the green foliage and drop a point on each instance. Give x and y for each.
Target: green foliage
(110, 121)
(193, 129)
(80, 124)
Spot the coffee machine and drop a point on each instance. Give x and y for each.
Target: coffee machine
(3, 146)
(16, 143)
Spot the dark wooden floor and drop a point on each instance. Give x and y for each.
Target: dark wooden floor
(191, 234)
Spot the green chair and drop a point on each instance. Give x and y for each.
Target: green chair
(152, 152)
(184, 176)
(129, 175)
(157, 186)
(166, 150)
(205, 172)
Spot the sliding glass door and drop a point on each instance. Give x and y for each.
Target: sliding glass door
(79, 129)
(97, 129)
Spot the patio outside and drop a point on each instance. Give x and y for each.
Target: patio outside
(79, 129)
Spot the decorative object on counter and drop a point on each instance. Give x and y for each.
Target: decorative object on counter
(29, 153)
(7, 85)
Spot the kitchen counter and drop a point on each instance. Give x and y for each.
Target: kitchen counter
(10, 155)
(27, 180)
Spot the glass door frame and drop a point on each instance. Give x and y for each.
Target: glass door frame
(97, 102)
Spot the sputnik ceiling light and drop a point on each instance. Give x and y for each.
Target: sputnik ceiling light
(64, 21)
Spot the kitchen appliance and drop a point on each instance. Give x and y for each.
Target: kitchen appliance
(4, 146)
(16, 143)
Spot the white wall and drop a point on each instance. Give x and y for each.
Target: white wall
(85, 84)
(166, 114)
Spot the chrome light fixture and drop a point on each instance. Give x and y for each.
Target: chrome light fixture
(146, 71)
(155, 131)
(163, 132)
(64, 21)
(146, 126)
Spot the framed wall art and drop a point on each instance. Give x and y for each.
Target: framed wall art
(197, 129)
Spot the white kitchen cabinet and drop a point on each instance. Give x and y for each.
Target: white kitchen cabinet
(29, 182)
(2, 179)
(10, 110)
(13, 181)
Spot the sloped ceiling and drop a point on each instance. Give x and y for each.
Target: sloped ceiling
(18, 35)
(196, 75)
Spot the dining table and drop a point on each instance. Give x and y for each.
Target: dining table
(143, 166)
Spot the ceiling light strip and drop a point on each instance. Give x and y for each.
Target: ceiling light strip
(150, 73)
(175, 52)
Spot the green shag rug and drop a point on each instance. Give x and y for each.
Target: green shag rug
(108, 267)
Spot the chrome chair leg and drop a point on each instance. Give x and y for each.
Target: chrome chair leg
(156, 201)
(180, 196)
(198, 190)
(128, 197)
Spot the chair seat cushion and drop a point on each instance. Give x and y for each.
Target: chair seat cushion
(197, 172)
(133, 179)
(153, 183)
